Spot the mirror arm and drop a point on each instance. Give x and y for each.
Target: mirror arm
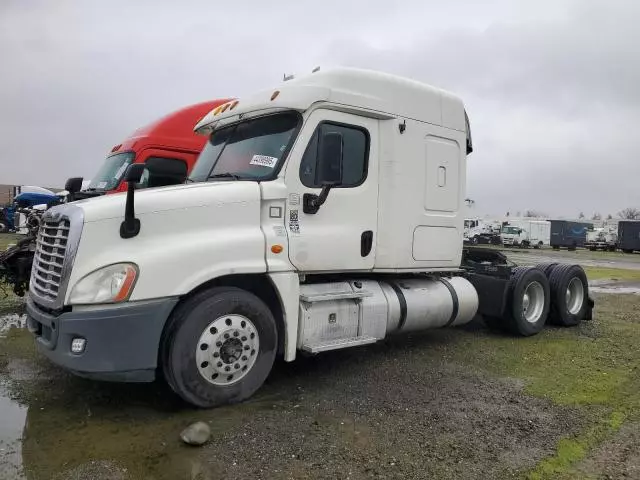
(311, 202)
(130, 226)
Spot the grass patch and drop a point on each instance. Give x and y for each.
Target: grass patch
(593, 368)
(6, 239)
(602, 273)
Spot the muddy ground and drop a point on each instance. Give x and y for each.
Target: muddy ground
(460, 403)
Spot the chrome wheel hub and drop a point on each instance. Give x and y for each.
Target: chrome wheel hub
(227, 349)
(533, 302)
(575, 296)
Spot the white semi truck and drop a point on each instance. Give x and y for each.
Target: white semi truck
(322, 214)
(526, 233)
(602, 238)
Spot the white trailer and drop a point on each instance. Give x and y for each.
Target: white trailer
(526, 233)
(322, 214)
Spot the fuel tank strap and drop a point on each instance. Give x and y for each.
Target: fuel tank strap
(454, 299)
(403, 304)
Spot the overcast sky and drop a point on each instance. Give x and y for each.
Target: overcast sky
(552, 87)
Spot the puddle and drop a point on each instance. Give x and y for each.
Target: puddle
(608, 286)
(12, 320)
(12, 422)
(615, 289)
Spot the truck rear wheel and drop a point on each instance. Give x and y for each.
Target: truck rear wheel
(528, 305)
(219, 347)
(569, 295)
(547, 268)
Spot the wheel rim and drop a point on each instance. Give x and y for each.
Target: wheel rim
(533, 302)
(575, 295)
(227, 349)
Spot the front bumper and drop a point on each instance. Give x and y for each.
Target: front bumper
(122, 341)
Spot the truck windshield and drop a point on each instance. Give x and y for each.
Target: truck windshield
(109, 175)
(251, 150)
(510, 230)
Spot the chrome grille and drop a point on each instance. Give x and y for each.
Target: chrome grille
(48, 261)
(56, 247)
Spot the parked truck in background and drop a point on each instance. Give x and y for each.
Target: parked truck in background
(168, 147)
(526, 233)
(629, 235)
(478, 231)
(322, 214)
(569, 234)
(602, 238)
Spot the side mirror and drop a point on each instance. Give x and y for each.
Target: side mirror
(134, 173)
(330, 155)
(73, 185)
(130, 226)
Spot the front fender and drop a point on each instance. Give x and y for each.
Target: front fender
(177, 250)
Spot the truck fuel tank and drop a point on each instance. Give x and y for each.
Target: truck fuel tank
(431, 302)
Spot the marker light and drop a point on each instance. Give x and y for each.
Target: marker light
(275, 94)
(276, 249)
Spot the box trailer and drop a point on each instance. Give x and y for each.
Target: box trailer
(569, 234)
(629, 235)
(526, 233)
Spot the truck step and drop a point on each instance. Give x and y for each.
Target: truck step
(337, 344)
(328, 296)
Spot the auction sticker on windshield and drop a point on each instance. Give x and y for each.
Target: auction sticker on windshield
(264, 161)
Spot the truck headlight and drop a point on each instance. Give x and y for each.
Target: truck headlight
(110, 284)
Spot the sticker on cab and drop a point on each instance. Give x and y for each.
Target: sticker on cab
(264, 161)
(120, 171)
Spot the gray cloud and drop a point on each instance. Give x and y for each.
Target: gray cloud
(551, 87)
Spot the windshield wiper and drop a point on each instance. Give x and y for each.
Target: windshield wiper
(235, 176)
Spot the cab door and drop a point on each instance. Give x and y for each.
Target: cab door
(341, 234)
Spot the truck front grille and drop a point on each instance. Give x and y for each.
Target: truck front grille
(56, 247)
(49, 258)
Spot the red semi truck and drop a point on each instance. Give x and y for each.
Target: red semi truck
(168, 146)
(169, 149)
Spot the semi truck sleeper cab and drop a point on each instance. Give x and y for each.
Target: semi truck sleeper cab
(322, 214)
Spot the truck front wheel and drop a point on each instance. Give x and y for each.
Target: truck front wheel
(219, 347)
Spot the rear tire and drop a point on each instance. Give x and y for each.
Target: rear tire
(528, 305)
(547, 268)
(219, 347)
(569, 295)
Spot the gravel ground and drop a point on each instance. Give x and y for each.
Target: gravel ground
(400, 409)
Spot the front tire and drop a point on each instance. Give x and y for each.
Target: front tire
(219, 347)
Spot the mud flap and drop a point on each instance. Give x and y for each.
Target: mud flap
(588, 314)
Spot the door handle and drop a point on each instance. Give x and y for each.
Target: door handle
(366, 243)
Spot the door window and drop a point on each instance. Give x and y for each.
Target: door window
(355, 150)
